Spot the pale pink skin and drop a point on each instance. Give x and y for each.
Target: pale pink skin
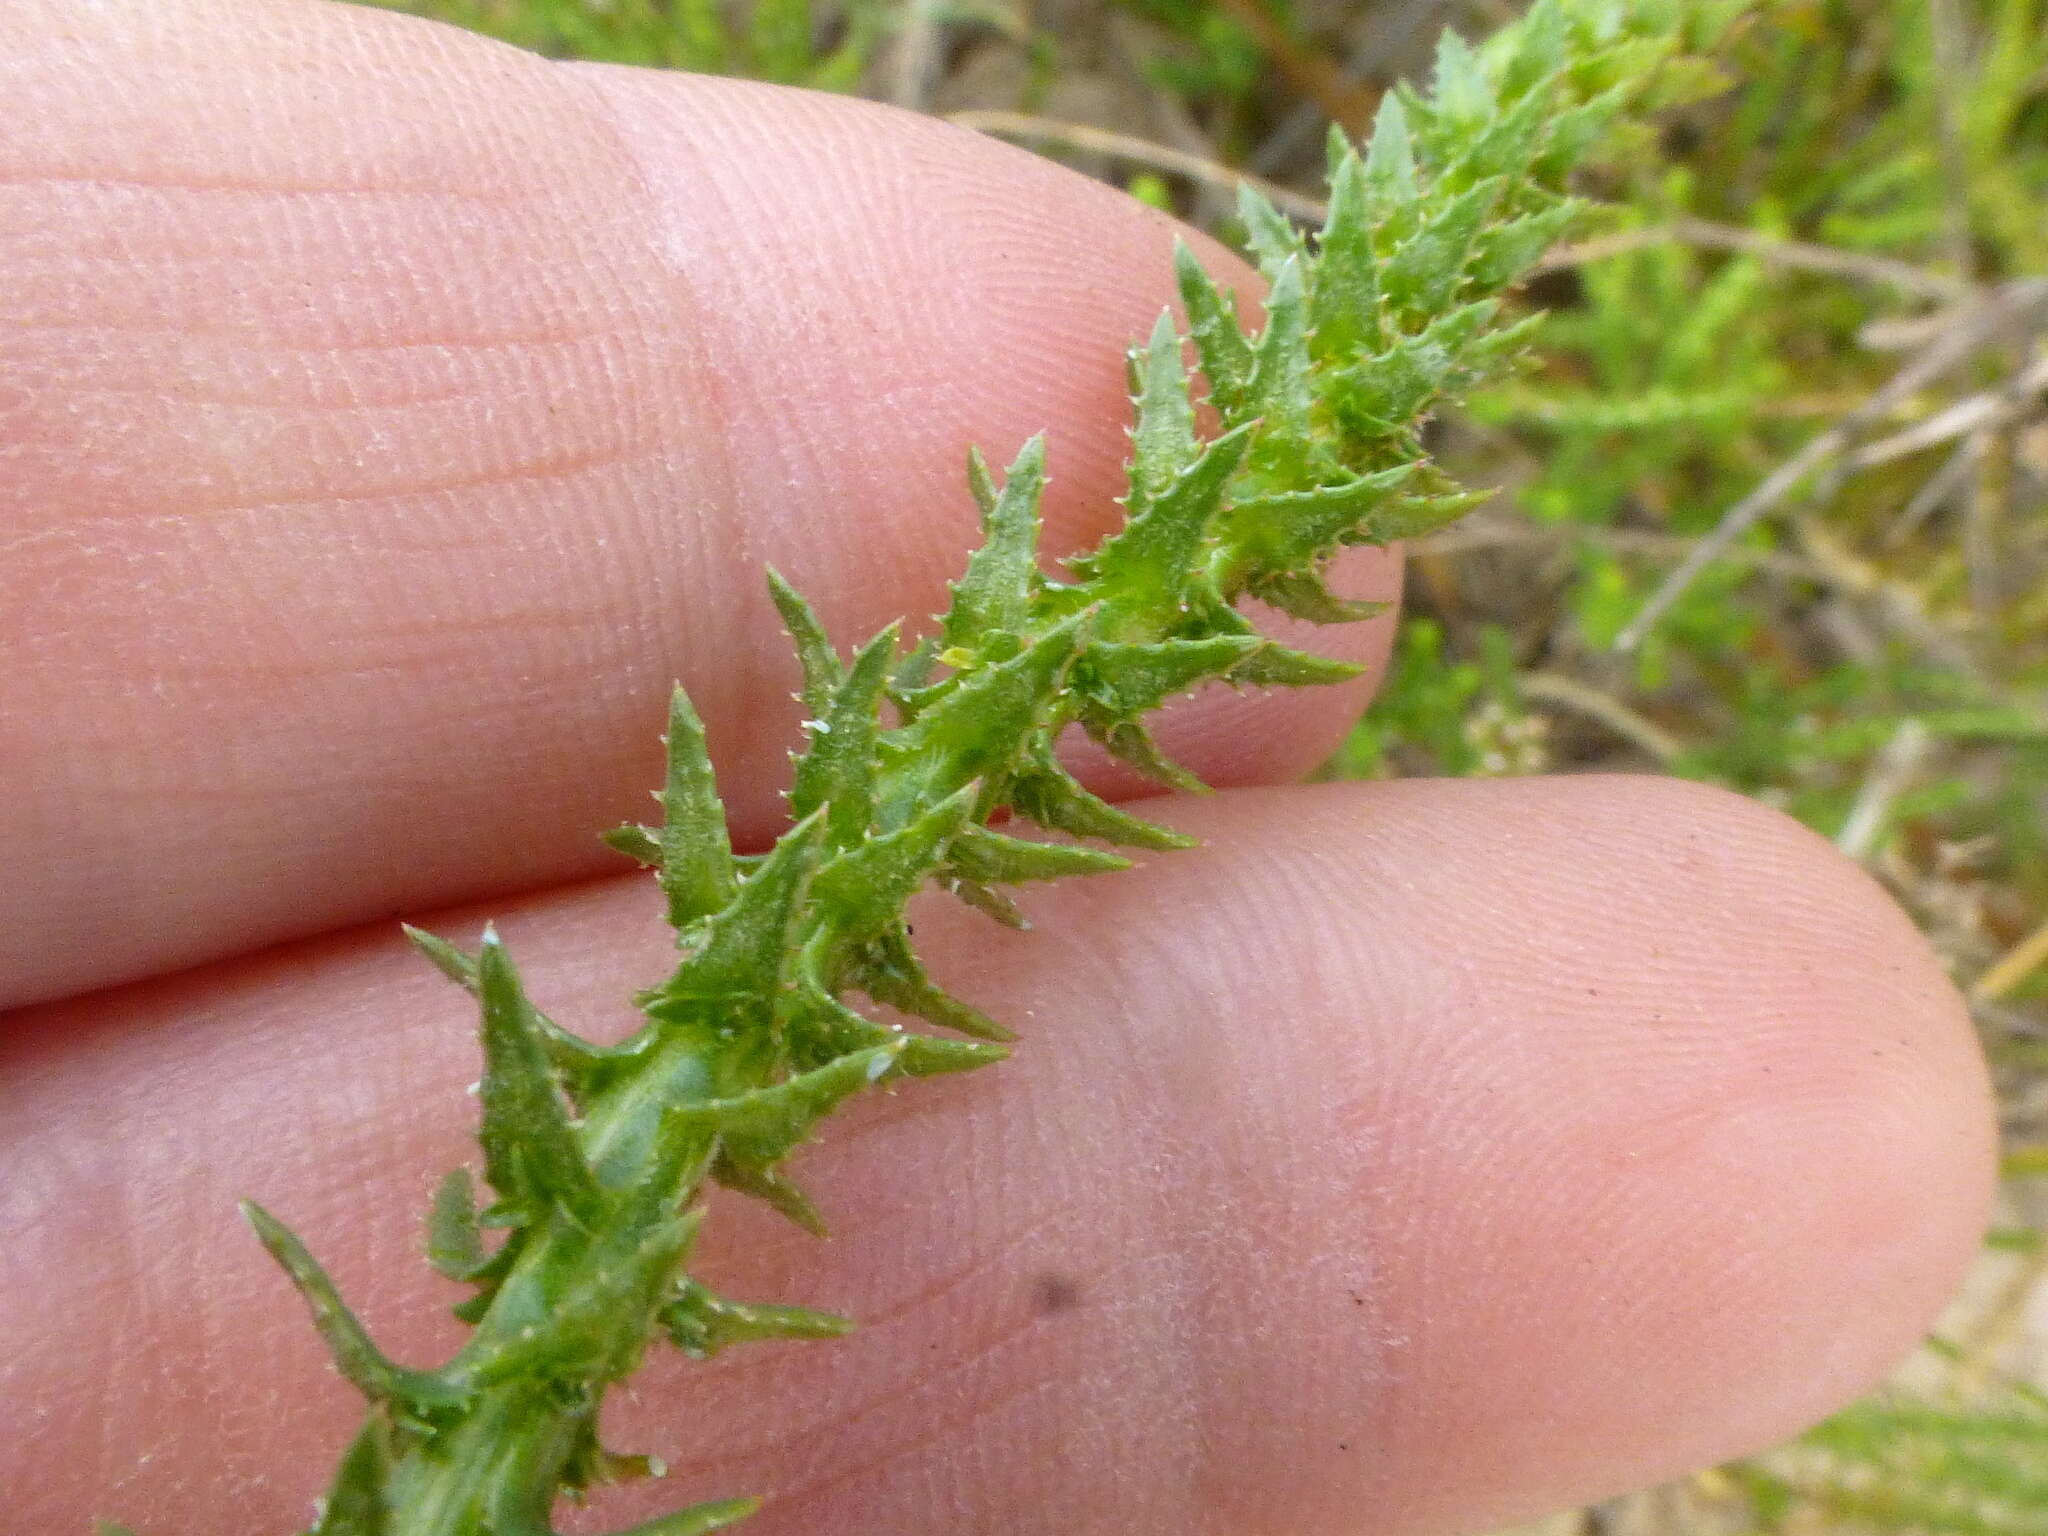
(385, 418)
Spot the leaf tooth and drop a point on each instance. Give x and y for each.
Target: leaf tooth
(1131, 742)
(1163, 443)
(890, 972)
(1049, 795)
(822, 670)
(701, 1322)
(362, 1364)
(570, 1052)
(696, 851)
(745, 948)
(1225, 355)
(454, 1241)
(774, 1189)
(837, 772)
(1302, 595)
(531, 1153)
(994, 593)
(981, 484)
(975, 853)
(1272, 239)
(697, 1519)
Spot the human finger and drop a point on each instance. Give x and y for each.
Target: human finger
(391, 416)
(1410, 1158)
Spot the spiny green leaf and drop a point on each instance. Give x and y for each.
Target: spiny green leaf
(1464, 95)
(1139, 573)
(745, 950)
(975, 730)
(1428, 268)
(821, 1029)
(1344, 312)
(1573, 132)
(814, 651)
(1052, 797)
(570, 1053)
(701, 1322)
(1164, 445)
(1131, 742)
(838, 772)
(1281, 386)
(1413, 516)
(362, 1364)
(455, 1245)
(1225, 356)
(696, 853)
(772, 1188)
(1304, 596)
(863, 890)
(1279, 666)
(697, 1519)
(1389, 159)
(1295, 529)
(890, 972)
(1272, 240)
(995, 593)
(1128, 680)
(757, 1129)
(1507, 143)
(1503, 253)
(531, 1155)
(1384, 393)
(975, 853)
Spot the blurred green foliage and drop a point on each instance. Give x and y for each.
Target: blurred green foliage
(786, 41)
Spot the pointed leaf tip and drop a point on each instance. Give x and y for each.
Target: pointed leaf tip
(359, 1360)
(697, 1519)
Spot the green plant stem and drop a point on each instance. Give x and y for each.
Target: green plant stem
(598, 1156)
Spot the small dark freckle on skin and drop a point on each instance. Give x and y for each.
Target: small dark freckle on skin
(1055, 1293)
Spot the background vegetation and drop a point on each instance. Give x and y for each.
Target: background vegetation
(1774, 503)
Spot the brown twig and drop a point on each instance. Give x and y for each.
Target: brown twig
(2013, 967)
(1969, 332)
(1322, 81)
(1801, 255)
(1104, 141)
(1566, 692)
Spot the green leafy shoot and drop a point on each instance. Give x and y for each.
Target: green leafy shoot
(597, 1157)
